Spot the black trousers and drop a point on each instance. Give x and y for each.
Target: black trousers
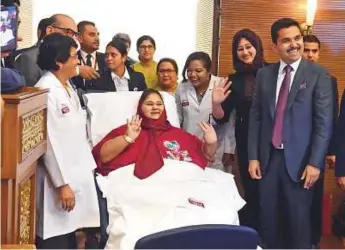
(249, 214)
(285, 207)
(316, 210)
(66, 241)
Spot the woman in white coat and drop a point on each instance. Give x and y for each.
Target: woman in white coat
(194, 103)
(67, 198)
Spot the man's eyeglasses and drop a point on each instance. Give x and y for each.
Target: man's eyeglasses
(67, 31)
(163, 71)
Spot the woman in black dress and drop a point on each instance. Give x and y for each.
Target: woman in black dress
(248, 58)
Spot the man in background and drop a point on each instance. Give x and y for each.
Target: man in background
(26, 61)
(340, 162)
(88, 55)
(312, 49)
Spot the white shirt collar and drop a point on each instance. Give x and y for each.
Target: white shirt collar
(294, 65)
(84, 54)
(125, 75)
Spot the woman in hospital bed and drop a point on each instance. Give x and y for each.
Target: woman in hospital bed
(161, 180)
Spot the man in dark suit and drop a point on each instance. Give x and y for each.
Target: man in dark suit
(340, 152)
(312, 49)
(26, 62)
(25, 59)
(289, 131)
(88, 54)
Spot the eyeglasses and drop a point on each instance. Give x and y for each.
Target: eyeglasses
(144, 47)
(168, 71)
(67, 31)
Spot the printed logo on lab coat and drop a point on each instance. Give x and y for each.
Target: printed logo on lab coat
(196, 203)
(64, 108)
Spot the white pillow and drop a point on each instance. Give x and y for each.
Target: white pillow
(110, 110)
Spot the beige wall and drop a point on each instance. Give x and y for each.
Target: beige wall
(25, 28)
(204, 26)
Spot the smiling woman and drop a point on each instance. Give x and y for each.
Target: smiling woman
(248, 58)
(150, 130)
(65, 183)
(167, 71)
(146, 47)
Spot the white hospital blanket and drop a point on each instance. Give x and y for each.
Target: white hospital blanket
(179, 194)
(107, 111)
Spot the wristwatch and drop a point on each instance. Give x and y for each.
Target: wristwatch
(128, 139)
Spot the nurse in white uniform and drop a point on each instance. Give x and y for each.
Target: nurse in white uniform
(67, 198)
(194, 103)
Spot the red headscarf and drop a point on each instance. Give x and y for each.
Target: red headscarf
(146, 152)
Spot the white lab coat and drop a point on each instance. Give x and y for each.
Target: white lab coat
(68, 160)
(191, 113)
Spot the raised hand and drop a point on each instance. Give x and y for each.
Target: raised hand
(221, 91)
(210, 136)
(134, 127)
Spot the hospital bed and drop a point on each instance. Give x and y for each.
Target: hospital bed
(177, 195)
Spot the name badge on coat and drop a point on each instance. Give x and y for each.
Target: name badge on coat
(185, 103)
(64, 108)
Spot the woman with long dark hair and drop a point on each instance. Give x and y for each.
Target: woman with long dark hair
(248, 58)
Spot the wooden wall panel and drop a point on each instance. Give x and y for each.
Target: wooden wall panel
(258, 15)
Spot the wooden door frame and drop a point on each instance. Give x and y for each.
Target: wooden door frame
(216, 36)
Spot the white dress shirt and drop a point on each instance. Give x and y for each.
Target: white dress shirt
(121, 83)
(281, 75)
(93, 58)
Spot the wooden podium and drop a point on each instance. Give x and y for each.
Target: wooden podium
(23, 141)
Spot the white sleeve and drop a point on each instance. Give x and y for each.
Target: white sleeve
(52, 167)
(50, 160)
(229, 138)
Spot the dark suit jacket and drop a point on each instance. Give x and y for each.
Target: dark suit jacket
(78, 81)
(333, 144)
(340, 149)
(307, 122)
(236, 100)
(26, 63)
(129, 62)
(11, 80)
(105, 82)
(9, 61)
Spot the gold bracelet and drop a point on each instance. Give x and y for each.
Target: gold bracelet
(128, 139)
